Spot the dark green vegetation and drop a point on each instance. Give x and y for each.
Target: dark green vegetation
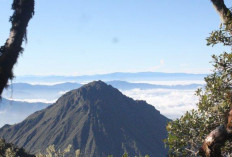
(97, 119)
(9, 150)
(186, 135)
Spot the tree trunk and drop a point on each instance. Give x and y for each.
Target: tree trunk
(217, 138)
(213, 142)
(9, 53)
(224, 13)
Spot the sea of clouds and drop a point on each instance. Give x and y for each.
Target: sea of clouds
(172, 83)
(171, 103)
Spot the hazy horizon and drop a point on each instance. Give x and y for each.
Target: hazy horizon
(162, 98)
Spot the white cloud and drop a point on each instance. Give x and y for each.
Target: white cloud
(176, 82)
(62, 92)
(157, 67)
(161, 62)
(171, 103)
(35, 100)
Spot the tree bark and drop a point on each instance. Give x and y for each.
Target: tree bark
(224, 13)
(213, 142)
(217, 138)
(9, 53)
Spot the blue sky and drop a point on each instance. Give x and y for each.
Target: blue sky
(76, 37)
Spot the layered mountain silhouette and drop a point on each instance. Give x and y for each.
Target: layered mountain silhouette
(53, 92)
(139, 76)
(97, 119)
(15, 111)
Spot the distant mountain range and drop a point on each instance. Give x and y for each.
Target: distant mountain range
(140, 76)
(26, 91)
(123, 85)
(15, 111)
(16, 106)
(97, 119)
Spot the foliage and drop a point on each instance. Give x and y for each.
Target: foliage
(9, 150)
(126, 155)
(52, 152)
(223, 35)
(186, 134)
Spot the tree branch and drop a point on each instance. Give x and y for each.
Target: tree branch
(9, 53)
(213, 142)
(222, 10)
(217, 138)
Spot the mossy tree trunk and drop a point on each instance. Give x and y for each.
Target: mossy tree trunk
(9, 52)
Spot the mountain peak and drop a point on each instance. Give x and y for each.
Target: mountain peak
(97, 84)
(97, 119)
(94, 91)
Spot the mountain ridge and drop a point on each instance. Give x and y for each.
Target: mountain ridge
(97, 119)
(139, 76)
(52, 92)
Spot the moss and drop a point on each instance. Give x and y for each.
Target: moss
(9, 53)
